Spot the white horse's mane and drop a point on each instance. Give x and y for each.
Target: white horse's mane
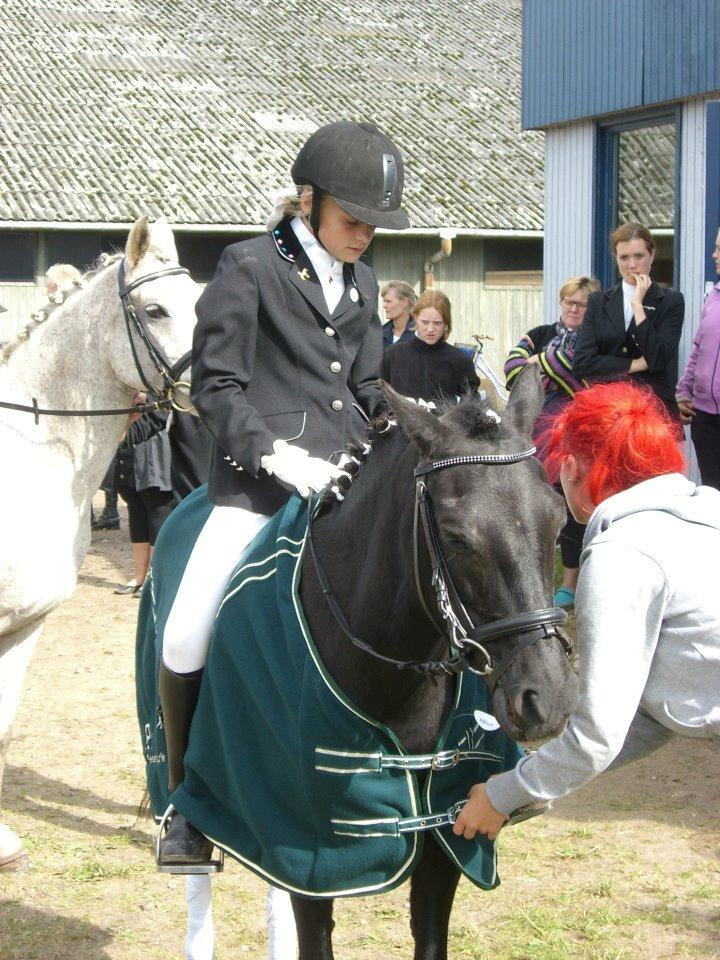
(49, 310)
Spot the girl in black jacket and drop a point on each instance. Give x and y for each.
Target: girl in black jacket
(426, 367)
(288, 343)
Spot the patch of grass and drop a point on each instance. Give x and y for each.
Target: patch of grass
(546, 934)
(94, 870)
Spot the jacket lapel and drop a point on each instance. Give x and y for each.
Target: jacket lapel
(301, 272)
(615, 310)
(354, 294)
(303, 277)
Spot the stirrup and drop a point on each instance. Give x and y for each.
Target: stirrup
(214, 865)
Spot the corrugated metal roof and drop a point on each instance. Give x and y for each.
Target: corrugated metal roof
(110, 109)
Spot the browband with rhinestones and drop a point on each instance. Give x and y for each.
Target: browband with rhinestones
(487, 458)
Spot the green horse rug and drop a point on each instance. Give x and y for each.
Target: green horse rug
(283, 771)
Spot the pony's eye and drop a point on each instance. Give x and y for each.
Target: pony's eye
(155, 311)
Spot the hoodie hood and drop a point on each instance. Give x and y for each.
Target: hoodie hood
(671, 493)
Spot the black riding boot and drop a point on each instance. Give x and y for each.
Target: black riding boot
(181, 843)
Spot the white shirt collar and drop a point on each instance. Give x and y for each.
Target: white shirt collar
(323, 262)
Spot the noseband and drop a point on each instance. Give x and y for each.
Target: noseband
(133, 323)
(459, 629)
(531, 627)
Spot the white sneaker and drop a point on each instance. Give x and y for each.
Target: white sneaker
(12, 850)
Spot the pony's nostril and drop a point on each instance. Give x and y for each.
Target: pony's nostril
(532, 708)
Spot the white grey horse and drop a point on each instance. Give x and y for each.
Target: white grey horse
(75, 354)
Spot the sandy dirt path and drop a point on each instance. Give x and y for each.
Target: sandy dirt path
(627, 868)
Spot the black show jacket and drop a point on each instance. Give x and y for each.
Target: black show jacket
(270, 362)
(605, 348)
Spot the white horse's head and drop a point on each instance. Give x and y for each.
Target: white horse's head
(165, 306)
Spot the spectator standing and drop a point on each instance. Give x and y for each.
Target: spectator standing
(698, 393)
(633, 329)
(552, 347)
(426, 366)
(398, 300)
(142, 478)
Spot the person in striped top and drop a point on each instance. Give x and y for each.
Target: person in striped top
(552, 346)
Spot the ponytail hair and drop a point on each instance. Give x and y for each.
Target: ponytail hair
(287, 204)
(622, 431)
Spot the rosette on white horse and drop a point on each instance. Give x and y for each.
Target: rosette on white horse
(283, 771)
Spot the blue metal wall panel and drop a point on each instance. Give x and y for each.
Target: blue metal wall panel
(584, 58)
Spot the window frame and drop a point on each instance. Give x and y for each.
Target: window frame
(605, 201)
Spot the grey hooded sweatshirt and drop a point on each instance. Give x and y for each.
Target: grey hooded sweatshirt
(648, 625)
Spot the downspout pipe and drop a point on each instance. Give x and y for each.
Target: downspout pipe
(446, 239)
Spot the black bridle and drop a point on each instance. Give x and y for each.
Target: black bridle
(169, 373)
(458, 630)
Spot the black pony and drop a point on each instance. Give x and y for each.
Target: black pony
(489, 538)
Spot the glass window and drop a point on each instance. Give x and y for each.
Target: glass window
(637, 180)
(646, 188)
(17, 257)
(81, 249)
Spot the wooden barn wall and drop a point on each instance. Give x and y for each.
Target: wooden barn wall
(505, 314)
(20, 300)
(584, 58)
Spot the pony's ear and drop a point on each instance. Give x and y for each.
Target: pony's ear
(526, 400)
(427, 432)
(162, 241)
(138, 241)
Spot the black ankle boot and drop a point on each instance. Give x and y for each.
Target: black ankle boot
(181, 842)
(106, 521)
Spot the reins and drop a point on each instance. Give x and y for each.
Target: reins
(464, 637)
(169, 372)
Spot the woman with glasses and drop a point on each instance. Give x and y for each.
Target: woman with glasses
(633, 329)
(552, 347)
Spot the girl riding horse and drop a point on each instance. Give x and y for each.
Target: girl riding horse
(286, 353)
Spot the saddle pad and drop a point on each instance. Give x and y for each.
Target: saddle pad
(283, 771)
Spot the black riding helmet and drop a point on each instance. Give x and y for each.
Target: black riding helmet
(359, 167)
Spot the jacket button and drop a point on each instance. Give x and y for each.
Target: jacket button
(624, 349)
(335, 366)
(329, 331)
(337, 404)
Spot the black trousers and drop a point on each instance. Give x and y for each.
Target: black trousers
(705, 433)
(147, 510)
(571, 541)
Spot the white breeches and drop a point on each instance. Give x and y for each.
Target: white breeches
(227, 531)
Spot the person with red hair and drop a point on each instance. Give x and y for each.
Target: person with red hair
(648, 607)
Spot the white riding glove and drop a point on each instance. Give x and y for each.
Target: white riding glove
(293, 465)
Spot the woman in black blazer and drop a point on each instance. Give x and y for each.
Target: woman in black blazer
(634, 328)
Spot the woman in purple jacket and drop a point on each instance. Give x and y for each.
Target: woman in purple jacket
(698, 392)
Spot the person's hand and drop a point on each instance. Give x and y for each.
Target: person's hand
(687, 411)
(535, 358)
(638, 366)
(139, 398)
(642, 285)
(478, 816)
(293, 466)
